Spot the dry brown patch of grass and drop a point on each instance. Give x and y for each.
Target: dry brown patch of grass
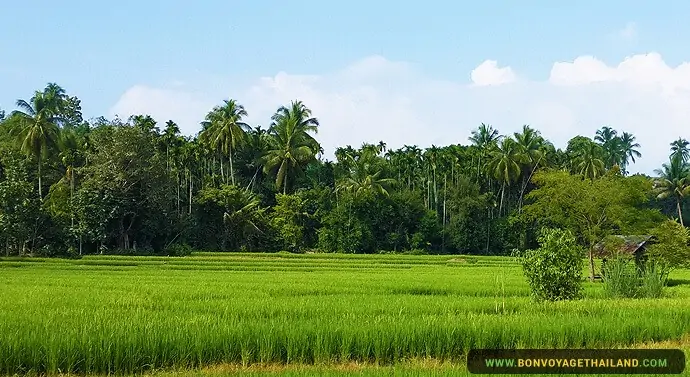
(682, 343)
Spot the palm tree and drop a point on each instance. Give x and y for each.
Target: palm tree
(170, 140)
(290, 145)
(673, 182)
(224, 130)
(70, 155)
(364, 180)
(505, 164)
(679, 149)
(531, 146)
(588, 162)
(611, 144)
(36, 129)
(485, 138)
(145, 123)
(628, 145)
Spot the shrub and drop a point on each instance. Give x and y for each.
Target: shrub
(178, 250)
(554, 270)
(620, 278)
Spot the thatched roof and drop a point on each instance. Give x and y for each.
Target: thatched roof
(630, 245)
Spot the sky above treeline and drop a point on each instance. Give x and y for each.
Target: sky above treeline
(404, 72)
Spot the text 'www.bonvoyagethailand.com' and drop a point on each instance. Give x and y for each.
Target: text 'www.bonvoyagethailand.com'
(576, 361)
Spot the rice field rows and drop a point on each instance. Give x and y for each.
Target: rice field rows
(107, 314)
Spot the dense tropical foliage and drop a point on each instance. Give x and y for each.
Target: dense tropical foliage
(69, 185)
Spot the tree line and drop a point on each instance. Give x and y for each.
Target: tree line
(74, 186)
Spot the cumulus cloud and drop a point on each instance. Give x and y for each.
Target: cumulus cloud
(376, 99)
(186, 109)
(488, 73)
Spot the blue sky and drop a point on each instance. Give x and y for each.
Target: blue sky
(167, 57)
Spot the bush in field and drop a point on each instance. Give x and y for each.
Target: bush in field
(554, 270)
(178, 250)
(620, 276)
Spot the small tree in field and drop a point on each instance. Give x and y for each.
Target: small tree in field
(671, 249)
(554, 270)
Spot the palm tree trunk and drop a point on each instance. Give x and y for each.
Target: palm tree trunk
(71, 195)
(285, 182)
(680, 213)
(222, 172)
(232, 172)
(443, 244)
(435, 192)
(503, 191)
(40, 191)
(488, 230)
(191, 183)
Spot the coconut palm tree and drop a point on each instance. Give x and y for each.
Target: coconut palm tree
(363, 180)
(505, 162)
(588, 162)
(290, 144)
(673, 181)
(484, 138)
(531, 146)
(224, 130)
(36, 129)
(680, 150)
(611, 144)
(629, 153)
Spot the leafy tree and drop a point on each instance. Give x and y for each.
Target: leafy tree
(230, 218)
(670, 249)
(590, 209)
(469, 225)
(125, 200)
(288, 218)
(18, 207)
(554, 270)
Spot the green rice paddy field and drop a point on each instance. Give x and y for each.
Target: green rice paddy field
(314, 314)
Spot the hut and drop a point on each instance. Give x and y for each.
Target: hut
(633, 246)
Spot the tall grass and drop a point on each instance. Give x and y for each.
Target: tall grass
(621, 278)
(141, 314)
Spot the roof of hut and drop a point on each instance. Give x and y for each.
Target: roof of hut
(628, 244)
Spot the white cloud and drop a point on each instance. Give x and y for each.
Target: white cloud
(186, 109)
(488, 73)
(376, 99)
